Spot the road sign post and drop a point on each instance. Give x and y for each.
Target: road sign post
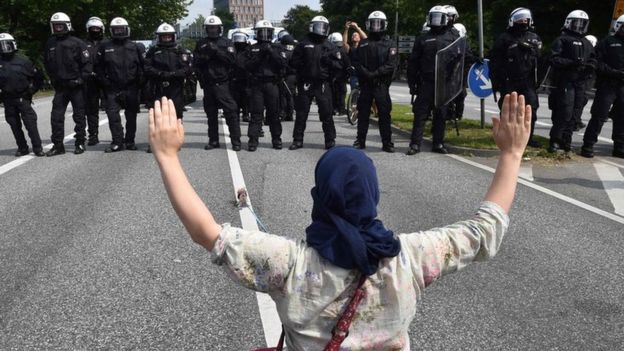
(480, 84)
(480, 12)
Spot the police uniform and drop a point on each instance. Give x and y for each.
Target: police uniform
(239, 83)
(315, 59)
(610, 91)
(265, 62)
(214, 59)
(190, 82)
(92, 95)
(339, 87)
(288, 86)
(19, 80)
(375, 61)
(68, 64)
(166, 67)
(572, 62)
(119, 69)
(513, 63)
(421, 80)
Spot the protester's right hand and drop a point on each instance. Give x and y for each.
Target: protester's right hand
(166, 133)
(511, 131)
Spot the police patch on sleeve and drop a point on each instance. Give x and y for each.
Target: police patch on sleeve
(231, 49)
(338, 55)
(184, 57)
(85, 53)
(283, 54)
(393, 51)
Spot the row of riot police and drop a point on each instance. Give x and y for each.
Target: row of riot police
(117, 71)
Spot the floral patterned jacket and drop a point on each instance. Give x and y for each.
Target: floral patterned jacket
(310, 293)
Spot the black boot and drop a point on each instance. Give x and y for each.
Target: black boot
(295, 145)
(440, 149)
(587, 151)
(413, 150)
(359, 144)
(57, 149)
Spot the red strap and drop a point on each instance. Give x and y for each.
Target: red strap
(341, 330)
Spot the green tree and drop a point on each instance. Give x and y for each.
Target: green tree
(297, 20)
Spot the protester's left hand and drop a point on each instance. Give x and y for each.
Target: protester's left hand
(166, 133)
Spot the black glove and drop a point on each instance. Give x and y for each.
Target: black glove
(325, 60)
(526, 45)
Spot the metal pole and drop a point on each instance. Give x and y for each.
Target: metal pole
(396, 23)
(480, 11)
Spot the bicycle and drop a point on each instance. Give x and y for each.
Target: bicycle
(352, 113)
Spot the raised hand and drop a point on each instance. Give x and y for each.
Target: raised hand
(166, 133)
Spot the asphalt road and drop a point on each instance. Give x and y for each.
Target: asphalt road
(94, 258)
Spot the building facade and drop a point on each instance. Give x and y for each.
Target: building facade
(246, 12)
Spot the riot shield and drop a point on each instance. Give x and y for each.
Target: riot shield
(449, 72)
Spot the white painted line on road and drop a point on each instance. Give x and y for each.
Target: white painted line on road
(613, 184)
(546, 191)
(610, 163)
(526, 172)
(268, 311)
(22, 160)
(606, 140)
(488, 111)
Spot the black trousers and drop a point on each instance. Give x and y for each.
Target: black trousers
(322, 93)
(173, 90)
(128, 100)
(62, 97)
(380, 94)
(218, 96)
(288, 92)
(568, 97)
(264, 96)
(423, 105)
(522, 87)
(608, 93)
(241, 95)
(459, 102)
(16, 111)
(340, 93)
(92, 107)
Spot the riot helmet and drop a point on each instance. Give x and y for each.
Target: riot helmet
(592, 40)
(319, 26)
(7, 44)
(264, 31)
(60, 24)
(577, 21)
(213, 27)
(437, 17)
(460, 28)
(281, 34)
(520, 19)
(377, 22)
(119, 28)
(239, 37)
(95, 28)
(452, 13)
(166, 35)
(336, 39)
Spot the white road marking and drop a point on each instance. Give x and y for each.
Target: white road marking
(601, 159)
(606, 140)
(22, 160)
(526, 171)
(613, 184)
(268, 311)
(486, 110)
(590, 208)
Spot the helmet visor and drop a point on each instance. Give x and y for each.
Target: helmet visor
(120, 31)
(264, 34)
(7, 46)
(437, 19)
(166, 39)
(60, 28)
(320, 28)
(213, 31)
(376, 25)
(239, 38)
(579, 25)
(521, 16)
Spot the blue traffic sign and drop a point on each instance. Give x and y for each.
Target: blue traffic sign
(479, 79)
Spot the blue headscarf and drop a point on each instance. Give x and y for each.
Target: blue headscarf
(344, 227)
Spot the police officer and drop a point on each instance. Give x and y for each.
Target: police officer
(264, 61)
(68, 64)
(375, 62)
(239, 84)
(610, 91)
(421, 79)
(589, 85)
(190, 82)
(513, 62)
(341, 77)
(19, 80)
(119, 69)
(95, 35)
(214, 58)
(573, 62)
(458, 103)
(315, 59)
(288, 86)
